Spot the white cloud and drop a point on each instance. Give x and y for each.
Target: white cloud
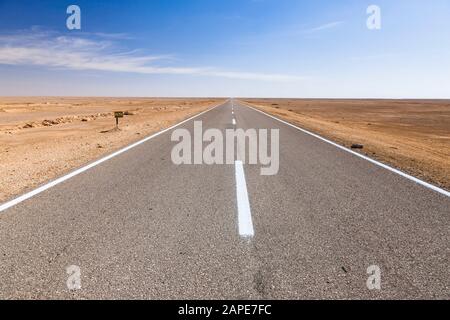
(49, 49)
(326, 26)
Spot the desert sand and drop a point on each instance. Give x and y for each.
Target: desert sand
(44, 137)
(412, 135)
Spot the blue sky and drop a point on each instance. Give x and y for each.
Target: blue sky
(251, 48)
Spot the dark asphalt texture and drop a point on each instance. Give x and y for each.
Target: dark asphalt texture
(140, 227)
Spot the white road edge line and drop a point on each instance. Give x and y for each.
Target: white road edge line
(244, 214)
(405, 175)
(53, 183)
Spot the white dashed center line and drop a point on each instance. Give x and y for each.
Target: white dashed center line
(244, 214)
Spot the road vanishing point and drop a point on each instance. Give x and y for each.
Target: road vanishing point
(140, 227)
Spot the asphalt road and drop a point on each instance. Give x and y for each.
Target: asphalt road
(139, 226)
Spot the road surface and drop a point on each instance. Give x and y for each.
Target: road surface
(138, 226)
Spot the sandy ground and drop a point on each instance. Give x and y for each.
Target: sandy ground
(43, 138)
(413, 135)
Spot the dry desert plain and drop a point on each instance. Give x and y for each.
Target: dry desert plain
(412, 135)
(44, 137)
